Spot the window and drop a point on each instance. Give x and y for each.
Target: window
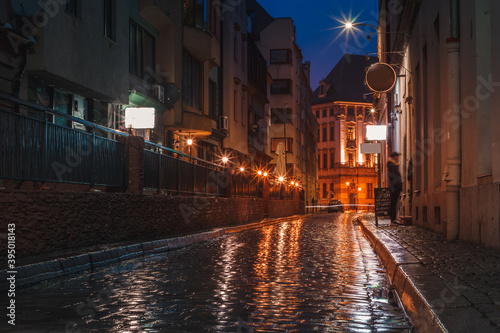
(322, 89)
(46, 95)
(325, 194)
(332, 132)
(110, 19)
(317, 114)
(62, 103)
(350, 160)
(350, 112)
(213, 100)
(280, 56)
(142, 53)
(369, 191)
(280, 116)
(243, 56)
(276, 141)
(194, 13)
(332, 112)
(324, 135)
(331, 189)
(325, 161)
(350, 133)
(281, 87)
(235, 46)
(191, 81)
(73, 7)
(332, 159)
(324, 113)
(368, 160)
(243, 104)
(235, 106)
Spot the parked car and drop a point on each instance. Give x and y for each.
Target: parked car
(335, 206)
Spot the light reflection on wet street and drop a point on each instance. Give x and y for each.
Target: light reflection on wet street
(312, 274)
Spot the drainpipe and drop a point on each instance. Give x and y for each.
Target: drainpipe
(454, 160)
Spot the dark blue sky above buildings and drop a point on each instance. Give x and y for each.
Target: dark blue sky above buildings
(319, 32)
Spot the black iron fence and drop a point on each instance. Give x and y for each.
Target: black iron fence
(245, 186)
(34, 149)
(173, 172)
(37, 150)
(278, 191)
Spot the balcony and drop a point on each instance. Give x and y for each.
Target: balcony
(202, 45)
(193, 123)
(201, 29)
(351, 143)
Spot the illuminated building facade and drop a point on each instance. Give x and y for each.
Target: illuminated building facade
(342, 105)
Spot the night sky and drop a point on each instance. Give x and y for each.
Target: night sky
(319, 32)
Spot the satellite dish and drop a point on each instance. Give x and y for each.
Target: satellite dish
(172, 93)
(26, 7)
(380, 77)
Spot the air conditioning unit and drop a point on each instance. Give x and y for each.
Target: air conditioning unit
(159, 92)
(223, 123)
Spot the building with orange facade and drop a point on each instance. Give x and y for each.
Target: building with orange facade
(342, 105)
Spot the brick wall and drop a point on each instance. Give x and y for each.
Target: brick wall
(47, 221)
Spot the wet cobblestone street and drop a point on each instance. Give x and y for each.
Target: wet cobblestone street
(316, 274)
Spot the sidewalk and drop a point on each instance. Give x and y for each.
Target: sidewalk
(64, 263)
(443, 286)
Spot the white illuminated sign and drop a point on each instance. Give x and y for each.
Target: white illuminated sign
(140, 118)
(376, 132)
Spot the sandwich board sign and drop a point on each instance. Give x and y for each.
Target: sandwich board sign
(382, 203)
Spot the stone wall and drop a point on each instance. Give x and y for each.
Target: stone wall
(48, 221)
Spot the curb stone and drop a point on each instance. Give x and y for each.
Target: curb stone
(35, 273)
(432, 304)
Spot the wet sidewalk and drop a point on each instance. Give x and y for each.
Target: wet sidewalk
(443, 286)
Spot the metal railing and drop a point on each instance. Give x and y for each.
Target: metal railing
(169, 170)
(280, 192)
(243, 186)
(38, 150)
(35, 149)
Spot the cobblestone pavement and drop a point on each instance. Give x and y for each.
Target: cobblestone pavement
(312, 274)
(472, 270)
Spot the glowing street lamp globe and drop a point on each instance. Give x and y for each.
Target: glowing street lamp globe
(281, 178)
(259, 173)
(190, 142)
(225, 160)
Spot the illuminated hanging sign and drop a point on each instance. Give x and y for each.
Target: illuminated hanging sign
(376, 132)
(140, 118)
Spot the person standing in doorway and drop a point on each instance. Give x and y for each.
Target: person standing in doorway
(395, 184)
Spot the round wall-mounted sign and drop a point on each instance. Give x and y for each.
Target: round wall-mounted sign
(380, 77)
